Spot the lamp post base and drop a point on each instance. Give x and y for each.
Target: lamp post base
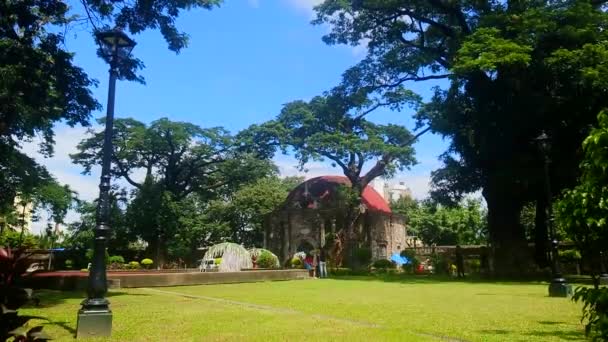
(559, 288)
(94, 323)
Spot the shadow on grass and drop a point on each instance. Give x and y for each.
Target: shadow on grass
(568, 335)
(436, 279)
(571, 335)
(64, 325)
(49, 298)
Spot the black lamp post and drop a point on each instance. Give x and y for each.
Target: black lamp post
(95, 317)
(558, 286)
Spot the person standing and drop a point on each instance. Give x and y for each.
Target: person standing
(459, 262)
(322, 264)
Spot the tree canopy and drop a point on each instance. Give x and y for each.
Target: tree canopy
(433, 223)
(181, 167)
(39, 83)
(512, 69)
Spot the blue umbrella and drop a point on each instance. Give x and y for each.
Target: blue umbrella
(399, 260)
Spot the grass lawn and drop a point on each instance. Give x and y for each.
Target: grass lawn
(355, 309)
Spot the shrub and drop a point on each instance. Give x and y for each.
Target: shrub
(569, 255)
(267, 260)
(69, 264)
(13, 239)
(13, 269)
(89, 256)
(147, 263)
(134, 265)
(116, 259)
(595, 311)
(383, 264)
(296, 263)
(413, 260)
(217, 261)
(84, 270)
(441, 264)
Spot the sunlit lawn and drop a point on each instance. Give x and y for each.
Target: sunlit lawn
(355, 309)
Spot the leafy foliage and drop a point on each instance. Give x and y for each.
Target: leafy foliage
(116, 259)
(147, 263)
(583, 209)
(267, 259)
(13, 266)
(595, 311)
(40, 85)
(433, 223)
(186, 166)
(383, 264)
(509, 70)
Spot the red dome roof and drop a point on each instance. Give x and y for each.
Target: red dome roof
(322, 188)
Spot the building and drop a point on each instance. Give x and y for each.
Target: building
(314, 211)
(391, 192)
(21, 218)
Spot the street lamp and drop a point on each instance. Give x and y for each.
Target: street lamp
(558, 286)
(95, 317)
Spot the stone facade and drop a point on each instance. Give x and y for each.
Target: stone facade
(296, 227)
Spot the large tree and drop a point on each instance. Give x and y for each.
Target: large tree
(512, 69)
(180, 165)
(336, 127)
(464, 223)
(39, 83)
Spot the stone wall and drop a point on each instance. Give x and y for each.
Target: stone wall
(287, 229)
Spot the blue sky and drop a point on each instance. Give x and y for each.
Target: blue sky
(244, 61)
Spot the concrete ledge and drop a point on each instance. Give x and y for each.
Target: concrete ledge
(68, 281)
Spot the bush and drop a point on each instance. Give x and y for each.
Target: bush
(116, 259)
(217, 261)
(11, 238)
(267, 260)
(383, 264)
(134, 265)
(569, 255)
(89, 256)
(147, 263)
(69, 264)
(84, 270)
(413, 260)
(595, 311)
(296, 263)
(441, 264)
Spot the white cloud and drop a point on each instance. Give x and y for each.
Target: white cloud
(305, 6)
(418, 183)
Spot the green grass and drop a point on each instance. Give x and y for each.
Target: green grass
(354, 309)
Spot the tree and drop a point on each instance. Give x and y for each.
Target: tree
(245, 210)
(583, 210)
(139, 16)
(433, 223)
(56, 200)
(513, 69)
(40, 85)
(183, 164)
(336, 127)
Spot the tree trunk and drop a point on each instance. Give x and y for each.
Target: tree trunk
(510, 249)
(541, 238)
